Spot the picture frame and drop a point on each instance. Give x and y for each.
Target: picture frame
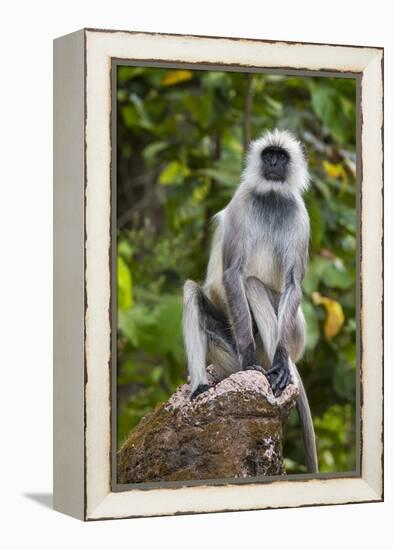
(84, 275)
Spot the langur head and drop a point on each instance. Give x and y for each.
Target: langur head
(276, 161)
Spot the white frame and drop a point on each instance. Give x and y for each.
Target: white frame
(82, 472)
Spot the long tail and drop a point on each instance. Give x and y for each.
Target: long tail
(304, 411)
(194, 338)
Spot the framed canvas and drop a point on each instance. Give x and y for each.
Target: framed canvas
(150, 137)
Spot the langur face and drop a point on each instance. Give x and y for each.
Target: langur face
(275, 162)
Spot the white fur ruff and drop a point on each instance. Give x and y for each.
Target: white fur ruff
(297, 180)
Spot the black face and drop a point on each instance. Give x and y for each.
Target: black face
(275, 162)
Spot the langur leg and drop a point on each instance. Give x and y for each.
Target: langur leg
(264, 306)
(263, 303)
(207, 336)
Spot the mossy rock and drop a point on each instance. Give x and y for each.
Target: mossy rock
(234, 430)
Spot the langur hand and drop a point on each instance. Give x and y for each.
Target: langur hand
(249, 361)
(279, 375)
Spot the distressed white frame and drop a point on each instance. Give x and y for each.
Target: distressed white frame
(100, 47)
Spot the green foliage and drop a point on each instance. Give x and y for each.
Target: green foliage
(124, 285)
(181, 137)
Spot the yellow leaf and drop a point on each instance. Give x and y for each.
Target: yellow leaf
(334, 315)
(335, 171)
(174, 77)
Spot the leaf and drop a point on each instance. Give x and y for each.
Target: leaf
(331, 272)
(138, 324)
(152, 150)
(311, 280)
(200, 107)
(156, 374)
(335, 275)
(229, 179)
(169, 335)
(328, 105)
(143, 120)
(335, 315)
(335, 171)
(174, 173)
(275, 106)
(176, 76)
(157, 329)
(125, 249)
(130, 116)
(317, 222)
(344, 380)
(124, 285)
(315, 268)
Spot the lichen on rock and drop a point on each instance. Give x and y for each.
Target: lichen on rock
(234, 430)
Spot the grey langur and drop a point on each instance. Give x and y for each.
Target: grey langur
(248, 314)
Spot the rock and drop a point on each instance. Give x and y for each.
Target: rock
(233, 430)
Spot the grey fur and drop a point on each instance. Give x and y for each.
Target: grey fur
(303, 408)
(256, 268)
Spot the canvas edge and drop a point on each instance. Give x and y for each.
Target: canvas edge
(68, 274)
(372, 274)
(95, 513)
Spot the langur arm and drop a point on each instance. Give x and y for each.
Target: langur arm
(280, 373)
(288, 307)
(240, 317)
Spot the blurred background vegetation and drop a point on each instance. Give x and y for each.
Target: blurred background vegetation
(181, 141)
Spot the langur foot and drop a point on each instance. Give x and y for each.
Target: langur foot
(257, 368)
(200, 389)
(279, 377)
